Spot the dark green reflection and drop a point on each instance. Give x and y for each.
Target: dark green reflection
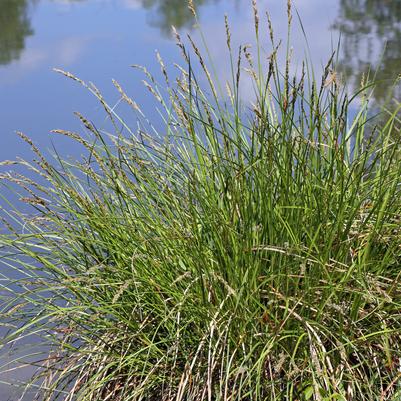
(172, 12)
(371, 41)
(14, 28)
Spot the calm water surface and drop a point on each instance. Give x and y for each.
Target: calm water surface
(98, 40)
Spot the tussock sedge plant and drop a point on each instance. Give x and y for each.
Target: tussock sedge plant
(245, 252)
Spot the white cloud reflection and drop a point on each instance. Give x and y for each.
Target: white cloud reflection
(317, 17)
(64, 53)
(132, 4)
(71, 49)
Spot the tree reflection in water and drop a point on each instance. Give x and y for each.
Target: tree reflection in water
(371, 42)
(14, 28)
(172, 12)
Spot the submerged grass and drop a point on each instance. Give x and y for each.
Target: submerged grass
(245, 253)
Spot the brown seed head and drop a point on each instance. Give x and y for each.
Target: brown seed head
(192, 7)
(256, 15)
(228, 33)
(289, 12)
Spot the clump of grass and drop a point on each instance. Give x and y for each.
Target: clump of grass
(244, 253)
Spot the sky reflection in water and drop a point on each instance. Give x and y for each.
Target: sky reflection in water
(99, 39)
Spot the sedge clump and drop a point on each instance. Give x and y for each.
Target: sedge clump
(245, 252)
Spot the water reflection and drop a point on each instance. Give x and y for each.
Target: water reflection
(165, 13)
(371, 42)
(14, 28)
(172, 12)
(15, 23)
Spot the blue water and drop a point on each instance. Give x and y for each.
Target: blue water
(99, 39)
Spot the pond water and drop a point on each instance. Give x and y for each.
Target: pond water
(98, 40)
